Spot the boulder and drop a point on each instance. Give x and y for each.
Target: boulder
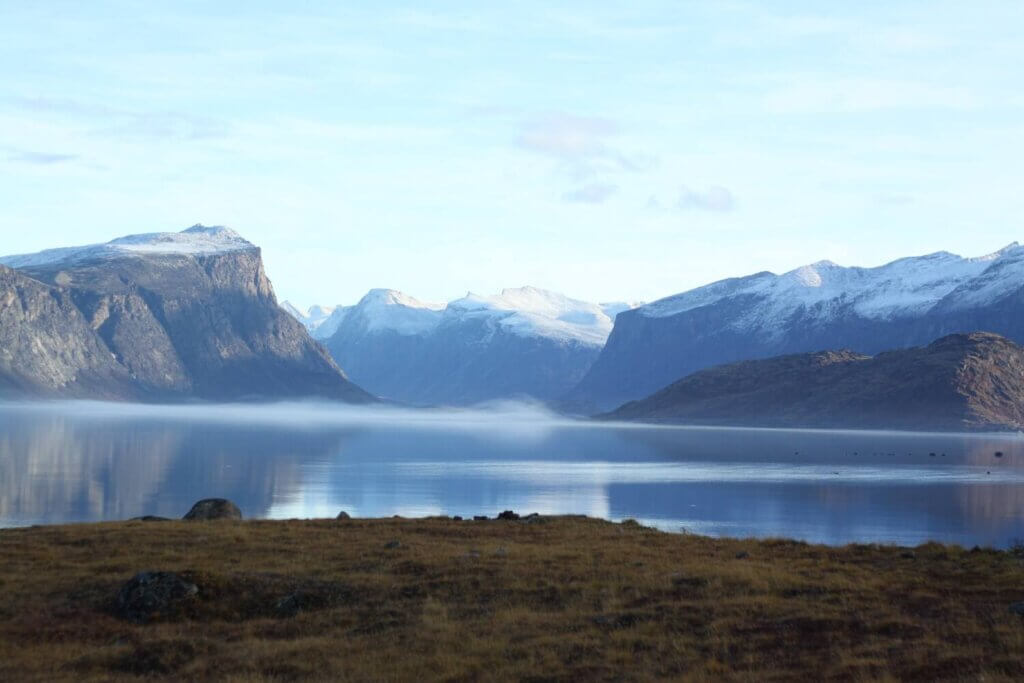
(214, 508)
(343, 515)
(150, 595)
(509, 515)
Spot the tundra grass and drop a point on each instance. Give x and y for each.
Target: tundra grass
(556, 599)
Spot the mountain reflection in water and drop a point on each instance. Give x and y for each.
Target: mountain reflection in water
(69, 462)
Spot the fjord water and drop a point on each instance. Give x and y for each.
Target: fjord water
(76, 462)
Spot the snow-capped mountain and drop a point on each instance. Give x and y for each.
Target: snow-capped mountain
(160, 316)
(199, 240)
(908, 302)
(313, 317)
(522, 342)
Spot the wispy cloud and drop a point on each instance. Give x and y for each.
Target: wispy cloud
(582, 143)
(22, 156)
(568, 136)
(714, 198)
(165, 126)
(594, 193)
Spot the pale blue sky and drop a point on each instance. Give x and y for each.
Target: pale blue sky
(605, 150)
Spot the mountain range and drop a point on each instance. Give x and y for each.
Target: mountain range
(960, 382)
(158, 316)
(908, 302)
(191, 315)
(521, 343)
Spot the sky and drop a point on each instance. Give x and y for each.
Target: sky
(609, 151)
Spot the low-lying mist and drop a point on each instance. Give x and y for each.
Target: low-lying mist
(497, 415)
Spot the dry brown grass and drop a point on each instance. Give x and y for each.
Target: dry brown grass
(563, 599)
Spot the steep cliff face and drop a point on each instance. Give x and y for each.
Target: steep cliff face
(960, 382)
(47, 347)
(190, 315)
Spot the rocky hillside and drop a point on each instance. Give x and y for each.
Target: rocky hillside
(163, 316)
(960, 382)
(905, 303)
(48, 348)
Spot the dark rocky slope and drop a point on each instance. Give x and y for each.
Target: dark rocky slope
(960, 382)
(175, 323)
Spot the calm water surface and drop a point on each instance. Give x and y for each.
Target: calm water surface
(71, 462)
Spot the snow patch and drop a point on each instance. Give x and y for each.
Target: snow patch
(533, 312)
(822, 290)
(199, 240)
(525, 311)
(389, 309)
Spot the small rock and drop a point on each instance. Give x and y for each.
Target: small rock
(148, 595)
(343, 515)
(214, 508)
(501, 552)
(509, 515)
(908, 555)
(457, 518)
(1017, 608)
(391, 545)
(742, 555)
(290, 605)
(998, 454)
(480, 518)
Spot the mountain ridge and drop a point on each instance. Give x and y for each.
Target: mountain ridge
(524, 342)
(960, 382)
(903, 303)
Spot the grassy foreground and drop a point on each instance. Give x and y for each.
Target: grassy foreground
(552, 599)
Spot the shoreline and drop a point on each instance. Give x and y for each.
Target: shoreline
(672, 529)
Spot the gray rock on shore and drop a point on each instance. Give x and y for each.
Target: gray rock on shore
(213, 508)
